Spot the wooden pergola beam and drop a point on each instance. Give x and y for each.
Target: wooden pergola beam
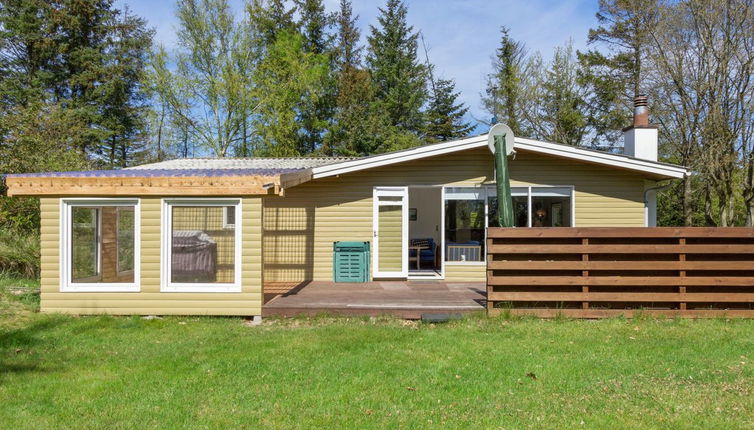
(288, 180)
(135, 185)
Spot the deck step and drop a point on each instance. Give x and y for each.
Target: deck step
(440, 317)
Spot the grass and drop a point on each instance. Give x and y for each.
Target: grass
(186, 372)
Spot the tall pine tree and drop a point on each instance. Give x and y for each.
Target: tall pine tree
(316, 115)
(445, 116)
(616, 73)
(123, 93)
(291, 77)
(360, 126)
(562, 116)
(267, 18)
(86, 57)
(503, 95)
(397, 74)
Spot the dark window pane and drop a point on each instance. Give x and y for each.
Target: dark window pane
(464, 230)
(551, 211)
(520, 211)
(84, 244)
(230, 215)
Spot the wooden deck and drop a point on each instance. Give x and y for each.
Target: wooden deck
(405, 299)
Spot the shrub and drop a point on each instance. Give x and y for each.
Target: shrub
(19, 252)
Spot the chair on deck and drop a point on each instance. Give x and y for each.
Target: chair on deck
(426, 255)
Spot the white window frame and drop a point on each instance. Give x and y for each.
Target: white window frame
(485, 192)
(166, 236)
(572, 195)
(226, 224)
(482, 194)
(66, 218)
(389, 191)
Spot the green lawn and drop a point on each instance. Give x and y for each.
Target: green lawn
(111, 372)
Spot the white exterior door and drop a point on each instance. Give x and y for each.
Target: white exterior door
(390, 224)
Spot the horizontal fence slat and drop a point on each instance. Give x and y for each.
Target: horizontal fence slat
(607, 313)
(608, 271)
(620, 249)
(528, 296)
(620, 232)
(618, 265)
(607, 281)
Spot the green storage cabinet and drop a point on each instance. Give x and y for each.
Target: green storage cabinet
(350, 261)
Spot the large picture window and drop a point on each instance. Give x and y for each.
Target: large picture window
(202, 252)
(536, 206)
(469, 211)
(99, 249)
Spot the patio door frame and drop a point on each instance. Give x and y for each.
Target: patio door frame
(441, 226)
(377, 194)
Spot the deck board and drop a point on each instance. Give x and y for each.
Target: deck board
(405, 299)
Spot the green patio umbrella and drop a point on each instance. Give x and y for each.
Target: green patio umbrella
(500, 141)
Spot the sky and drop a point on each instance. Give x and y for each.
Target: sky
(461, 35)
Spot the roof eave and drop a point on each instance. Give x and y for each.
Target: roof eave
(652, 169)
(656, 169)
(398, 156)
(135, 185)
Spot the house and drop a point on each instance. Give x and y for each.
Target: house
(204, 236)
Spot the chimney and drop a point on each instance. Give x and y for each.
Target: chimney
(640, 139)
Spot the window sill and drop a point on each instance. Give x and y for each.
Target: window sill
(100, 288)
(465, 263)
(201, 288)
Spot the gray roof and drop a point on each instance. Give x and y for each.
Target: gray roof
(242, 163)
(210, 167)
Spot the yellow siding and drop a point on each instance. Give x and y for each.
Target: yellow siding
(50, 246)
(465, 272)
(299, 229)
(391, 239)
(150, 300)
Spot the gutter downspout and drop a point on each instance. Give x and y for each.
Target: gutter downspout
(652, 204)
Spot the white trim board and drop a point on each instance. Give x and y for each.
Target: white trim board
(553, 149)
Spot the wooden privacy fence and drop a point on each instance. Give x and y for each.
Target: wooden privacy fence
(596, 272)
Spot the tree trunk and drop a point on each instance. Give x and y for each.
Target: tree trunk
(124, 154)
(112, 152)
(709, 220)
(688, 210)
(159, 134)
(185, 145)
(748, 189)
(245, 148)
